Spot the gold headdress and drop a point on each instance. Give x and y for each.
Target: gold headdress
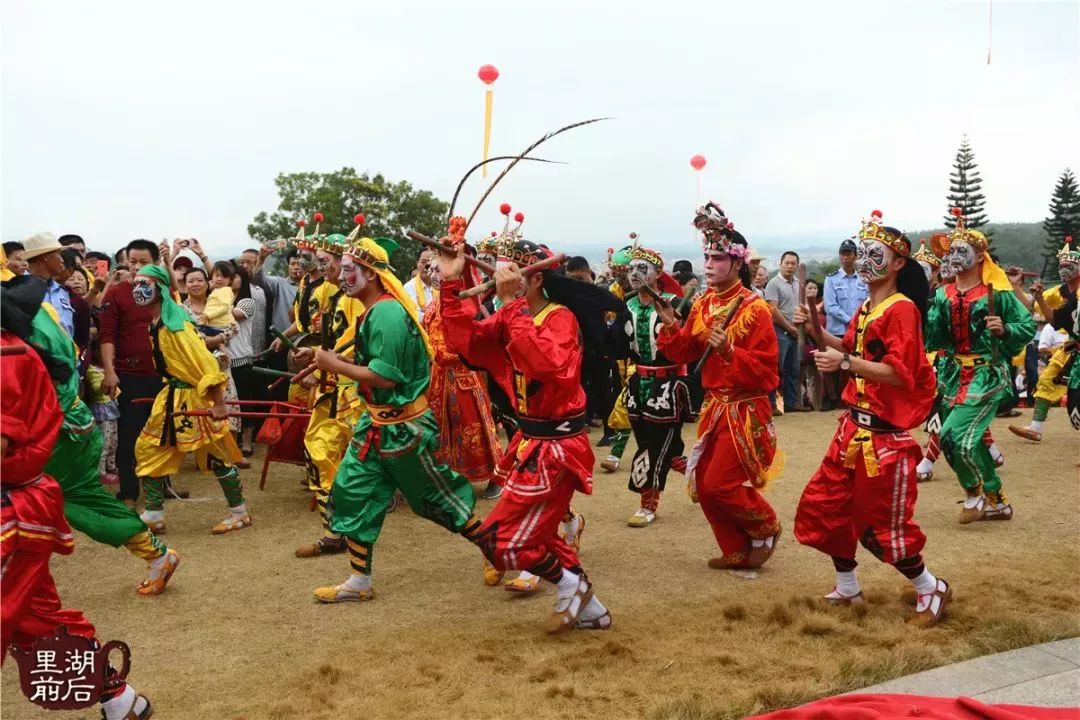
(875, 229)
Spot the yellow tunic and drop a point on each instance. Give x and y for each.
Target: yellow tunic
(1046, 389)
(318, 301)
(191, 372)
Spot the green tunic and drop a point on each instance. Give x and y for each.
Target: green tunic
(89, 507)
(974, 377)
(383, 458)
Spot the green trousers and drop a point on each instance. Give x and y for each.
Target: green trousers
(403, 459)
(961, 442)
(89, 507)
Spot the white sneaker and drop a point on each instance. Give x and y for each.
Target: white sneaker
(641, 518)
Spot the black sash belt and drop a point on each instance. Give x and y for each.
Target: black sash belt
(870, 421)
(551, 429)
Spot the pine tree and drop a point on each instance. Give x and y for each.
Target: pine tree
(1064, 220)
(965, 185)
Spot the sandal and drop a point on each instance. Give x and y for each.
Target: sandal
(601, 623)
(147, 711)
(325, 546)
(232, 522)
(523, 586)
(568, 608)
(155, 526)
(837, 598)
(936, 602)
(156, 586)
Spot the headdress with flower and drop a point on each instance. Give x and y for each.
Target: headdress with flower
(718, 232)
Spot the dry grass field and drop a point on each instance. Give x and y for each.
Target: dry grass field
(238, 634)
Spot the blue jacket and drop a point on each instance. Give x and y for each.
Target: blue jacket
(843, 296)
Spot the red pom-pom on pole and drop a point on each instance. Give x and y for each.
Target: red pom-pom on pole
(698, 162)
(359, 219)
(633, 236)
(520, 217)
(318, 217)
(505, 208)
(875, 214)
(494, 234)
(488, 74)
(956, 212)
(301, 223)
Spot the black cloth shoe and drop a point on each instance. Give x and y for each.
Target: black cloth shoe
(607, 440)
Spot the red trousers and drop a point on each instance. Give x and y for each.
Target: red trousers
(30, 606)
(540, 479)
(736, 511)
(843, 504)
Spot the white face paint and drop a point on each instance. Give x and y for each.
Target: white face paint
(641, 273)
(352, 278)
(434, 273)
(961, 257)
(946, 272)
(872, 260)
(1068, 271)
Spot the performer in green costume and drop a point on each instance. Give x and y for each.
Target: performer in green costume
(394, 441)
(982, 324)
(88, 506)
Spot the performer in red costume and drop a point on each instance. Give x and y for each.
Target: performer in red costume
(532, 348)
(735, 455)
(866, 487)
(33, 522)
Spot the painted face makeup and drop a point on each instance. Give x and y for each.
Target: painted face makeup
(961, 257)
(323, 261)
(872, 260)
(1068, 271)
(308, 261)
(946, 272)
(143, 291)
(641, 273)
(718, 266)
(352, 277)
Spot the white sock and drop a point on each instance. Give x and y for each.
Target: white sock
(592, 610)
(240, 509)
(847, 584)
(149, 516)
(925, 583)
(1035, 425)
(972, 500)
(357, 583)
(570, 529)
(995, 453)
(159, 563)
(117, 708)
(924, 466)
(525, 575)
(568, 583)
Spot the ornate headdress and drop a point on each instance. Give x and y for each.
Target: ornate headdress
(305, 242)
(991, 274)
(927, 256)
(1068, 252)
(334, 244)
(373, 252)
(718, 232)
(875, 229)
(510, 245)
(637, 252)
(489, 245)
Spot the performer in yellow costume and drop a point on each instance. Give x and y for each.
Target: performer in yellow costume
(193, 382)
(336, 406)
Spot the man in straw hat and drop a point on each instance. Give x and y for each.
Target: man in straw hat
(982, 325)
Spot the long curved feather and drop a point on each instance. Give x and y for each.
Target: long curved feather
(521, 157)
(481, 164)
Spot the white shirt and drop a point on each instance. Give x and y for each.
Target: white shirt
(420, 293)
(1050, 338)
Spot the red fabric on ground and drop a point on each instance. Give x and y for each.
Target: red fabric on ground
(887, 707)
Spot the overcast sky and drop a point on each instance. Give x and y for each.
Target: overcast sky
(147, 119)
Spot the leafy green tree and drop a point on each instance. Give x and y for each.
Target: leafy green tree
(1063, 222)
(389, 209)
(965, 191)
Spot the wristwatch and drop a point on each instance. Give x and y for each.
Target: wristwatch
(845, 364)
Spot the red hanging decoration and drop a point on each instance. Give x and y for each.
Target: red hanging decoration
(698, 162)
(488, 74)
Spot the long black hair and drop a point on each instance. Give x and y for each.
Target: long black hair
(744, 272)
(911, 280)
